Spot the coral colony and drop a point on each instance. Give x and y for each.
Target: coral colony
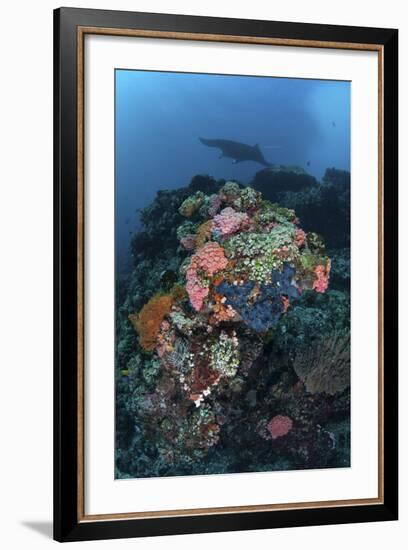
(224, 368)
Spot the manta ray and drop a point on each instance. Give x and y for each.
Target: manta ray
(237, 151)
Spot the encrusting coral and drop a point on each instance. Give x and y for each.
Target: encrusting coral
(207, 261)
(322, 277)
(229, 221)
(279, 426)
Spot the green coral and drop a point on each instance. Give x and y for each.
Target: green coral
(191, 204)
(230, 191)
(151, 371)
(183, 323)
(248, 199)
(185, 229)
(257, 253)
(273, 213)
(225, 355)
(315, 242)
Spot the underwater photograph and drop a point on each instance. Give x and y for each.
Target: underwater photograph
(232, 274)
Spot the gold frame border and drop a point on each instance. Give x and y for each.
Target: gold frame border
(81, 32)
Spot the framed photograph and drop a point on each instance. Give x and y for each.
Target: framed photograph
(225, 274)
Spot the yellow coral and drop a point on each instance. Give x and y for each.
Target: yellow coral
(220, 311)
(178, 292)
(147, 323)
(203, 233)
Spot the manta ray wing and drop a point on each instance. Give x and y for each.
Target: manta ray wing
(239, 152)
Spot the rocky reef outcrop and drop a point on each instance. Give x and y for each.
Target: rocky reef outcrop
(323, 207)
(232, 348)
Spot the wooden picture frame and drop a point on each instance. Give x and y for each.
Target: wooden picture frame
(71, 26)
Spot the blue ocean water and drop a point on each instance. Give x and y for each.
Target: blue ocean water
(159, 117)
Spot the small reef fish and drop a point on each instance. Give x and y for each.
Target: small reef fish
(237, 151)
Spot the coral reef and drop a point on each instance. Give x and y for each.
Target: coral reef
(229, 221)
(207, 261)
(312, 200)
(325, 366)
(279, 426)
(322, 273)
(191, 204)
(232, 352)
(274, 180)
(148, 321)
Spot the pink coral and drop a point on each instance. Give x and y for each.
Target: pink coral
(279, 426)
(215, 203)
(229, 221)
(322, 277)
(210, 259)
(196, 290)
(300, 237)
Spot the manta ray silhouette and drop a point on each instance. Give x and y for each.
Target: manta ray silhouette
(237, 151)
